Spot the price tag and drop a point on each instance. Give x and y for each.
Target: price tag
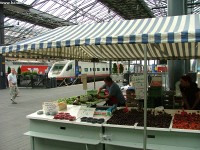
(50, 107)
(138, 84)
(86, 112)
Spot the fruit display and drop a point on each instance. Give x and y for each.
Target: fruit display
(159, 120)
(41, 112)
(186, 120)
(64, 116)
(92, 120)
(124, 118)
(62, 106)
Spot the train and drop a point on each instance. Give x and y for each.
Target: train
(70, 70)
(28, 66)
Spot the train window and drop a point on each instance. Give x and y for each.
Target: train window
(90, 69)
(103, 69)
(98, 69)
(69, 67)
(86, 69)
(58, 67)
(106, 69)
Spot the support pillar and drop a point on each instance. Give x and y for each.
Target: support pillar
(145, 99)
(94, 69)
(2, 58)
(176, 68)
(110, 66)
(187, 66)
(129, 71)
(76, 68)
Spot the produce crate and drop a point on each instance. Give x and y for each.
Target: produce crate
(105, 111)
(153, 102)
(177, 102)
(131, 104)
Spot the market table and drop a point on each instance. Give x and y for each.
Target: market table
(129, 137)
(49, 134)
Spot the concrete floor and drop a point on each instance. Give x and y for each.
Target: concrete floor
(13, 122)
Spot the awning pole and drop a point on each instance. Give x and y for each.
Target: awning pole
(94, 75)
(145, 97)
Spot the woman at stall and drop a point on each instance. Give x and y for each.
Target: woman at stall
(190, 93)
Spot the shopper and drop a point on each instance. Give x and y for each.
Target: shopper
(17, 89)
(12, 81)
(113, 94)
(190, 93)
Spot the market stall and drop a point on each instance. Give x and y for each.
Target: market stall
(175, 37)
(114, 130)
(62, 134)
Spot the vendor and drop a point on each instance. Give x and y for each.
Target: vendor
(112, 93)
(190, 93)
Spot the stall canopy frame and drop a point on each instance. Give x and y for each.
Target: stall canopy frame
(176, 37)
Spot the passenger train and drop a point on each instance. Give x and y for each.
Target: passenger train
(28, 66)
(68, 70)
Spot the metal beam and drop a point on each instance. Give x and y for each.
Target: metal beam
(2, 58)
(129, 9)
(189, 4)
(36, 17)
(88, 15)
(83, 14)
(35, 2)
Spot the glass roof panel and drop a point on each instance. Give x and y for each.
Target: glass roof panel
(68, 9)
(20, 30)
(159, 7)
(78, 12)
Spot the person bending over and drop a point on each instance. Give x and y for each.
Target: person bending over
(190, 93)
(112, 93)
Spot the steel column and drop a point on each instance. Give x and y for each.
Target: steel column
(94, 75)
(176, 68)
(2, 58)
(129, 71)
(145, 98)
(187, 65)
(110, 66)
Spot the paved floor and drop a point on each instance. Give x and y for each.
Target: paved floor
(13, 122)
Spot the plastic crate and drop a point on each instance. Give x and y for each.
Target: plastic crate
(153, 102)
